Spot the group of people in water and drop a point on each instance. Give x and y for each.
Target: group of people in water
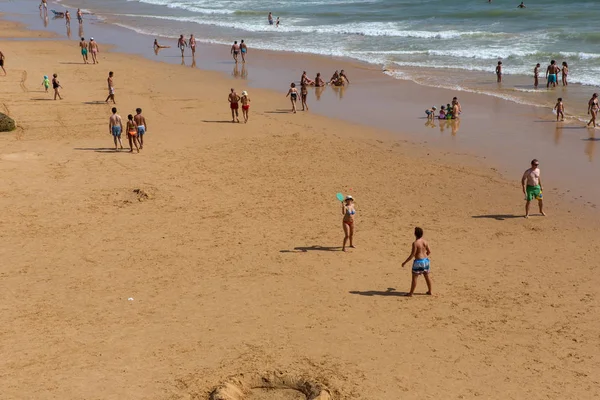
(449, 111)
(338, 79)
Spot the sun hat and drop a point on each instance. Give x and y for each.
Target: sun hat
(244, 93)
(45, 76)
(91, 38)
(433, 108)
(349, 197)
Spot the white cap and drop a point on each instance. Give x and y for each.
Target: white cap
(349, 197)
(244, 93)
(91, 38)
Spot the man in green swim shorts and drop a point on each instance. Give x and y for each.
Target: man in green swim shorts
(84, 50)
(532, 187)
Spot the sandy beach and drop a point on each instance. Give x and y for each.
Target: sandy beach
(216, 250)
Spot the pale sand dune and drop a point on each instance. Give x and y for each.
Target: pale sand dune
(225, 250)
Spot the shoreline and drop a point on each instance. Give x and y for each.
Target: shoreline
(216, 251)
(559, 146)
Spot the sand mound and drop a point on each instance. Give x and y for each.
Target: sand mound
(142, 195)
(7, 124)
(270, 386)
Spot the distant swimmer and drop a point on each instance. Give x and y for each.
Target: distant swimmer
(234, 105)
(270, 18)
(521, 5)
(235, 50)
(111, 88)
(536, 75)
(243, 50)
(593, 108)
(565, 73)
(93, 48)
(420, 252)
(192, 42)
(293, 94)
(277, 23)
(560, 109)
(181, 44)
(79, 16)
(83, 45)
(115, 126)
(551, 74)
(499, 72)
(532, 187)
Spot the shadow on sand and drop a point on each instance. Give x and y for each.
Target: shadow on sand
(102, 149)
(311, 248)
(389, 292)
(498, 217)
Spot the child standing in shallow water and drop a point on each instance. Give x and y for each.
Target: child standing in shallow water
(420, 251)
(499, 71)
(560, 110)
(536, 75)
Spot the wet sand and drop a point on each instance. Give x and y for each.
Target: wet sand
(226, 237)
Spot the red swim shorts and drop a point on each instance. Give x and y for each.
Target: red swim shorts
(234, 106)
(247, 106)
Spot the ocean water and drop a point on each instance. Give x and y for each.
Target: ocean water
(452, 44)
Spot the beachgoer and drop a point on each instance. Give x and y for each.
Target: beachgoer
(521, 5)
(420, 251)
(234, 99)
(304, 79)
(344, 76)
(536, 75)
(304, 95)
(243, 50)
(270, 18)
(192, 43)
(83, 45)
(442, 114)
(560, 109)
(565, 73)
(44, 4)
(245, 105)
(94, 49)
(593, 109)
(348, 211)
(499, 72)
(293, 93)
(334, 77)
(111, 88)
(46, 83)
(142, 126)
(534, 187)
(430, 112)
(235, 50)
(181, 44)
(56, 86)
(277, 23)
(319, 82)
(132, 133)
(551, 74)
(79, 16)
(68, 17)
(455, 102)
(115, 126)
(2, 58)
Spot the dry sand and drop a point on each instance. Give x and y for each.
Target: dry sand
(227, 238)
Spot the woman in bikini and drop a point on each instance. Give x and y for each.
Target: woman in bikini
(245, 105)
(593, 109)
(304, 95)
(348, 212)
(293, 93)
(132, 133)
(565, 73)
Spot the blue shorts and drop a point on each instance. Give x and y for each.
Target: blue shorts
(116, 131)
(420, 266)
(270, 22)
(552, 78)
(141, 130)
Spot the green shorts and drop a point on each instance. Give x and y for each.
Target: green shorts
(533, 192)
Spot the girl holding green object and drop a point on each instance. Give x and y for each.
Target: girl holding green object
(348, 212)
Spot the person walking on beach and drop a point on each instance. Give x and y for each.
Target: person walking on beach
(142, 126)
(192, 42)
(593, 109)
(560, 109)
(46, 83)
(293, 93)
(532, 187)
(270, 18)
(348, 211)
(234, 100)
(94, 50)
(243, 50)
(304, 95)
(181, 44)
(499, 72)
(68, 17)
(115, 126)
(79, 16)
(56, 86)
(420, 252)
(565, 73)
(111, 88)
(536, 75)
(83, 45)
(2, 62)
(551, 74)
(245, 106)
(132, 133)
(235, 50)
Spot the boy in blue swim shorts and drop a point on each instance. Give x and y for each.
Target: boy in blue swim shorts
(115, 127)
(420, 252)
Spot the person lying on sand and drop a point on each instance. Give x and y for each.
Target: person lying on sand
(159, 46)
(420, 251)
